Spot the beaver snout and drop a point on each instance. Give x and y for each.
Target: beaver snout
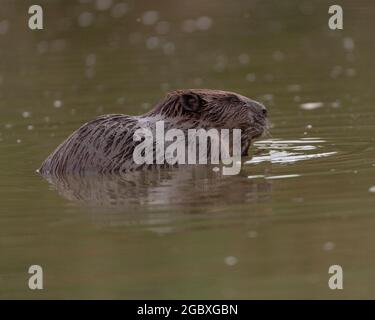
(258, 108)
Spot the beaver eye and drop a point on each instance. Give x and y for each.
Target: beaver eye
(191, 102)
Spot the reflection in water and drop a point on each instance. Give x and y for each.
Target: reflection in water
(155, 188)
(156, 199)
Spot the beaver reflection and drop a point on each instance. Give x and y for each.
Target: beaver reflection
(186, 187)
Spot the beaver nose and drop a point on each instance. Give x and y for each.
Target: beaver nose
(259, 108)
(264, 111)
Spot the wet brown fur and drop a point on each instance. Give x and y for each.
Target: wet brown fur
(106, 144)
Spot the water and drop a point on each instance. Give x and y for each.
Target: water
(304, 199)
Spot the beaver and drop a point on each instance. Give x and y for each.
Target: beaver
(106, 144)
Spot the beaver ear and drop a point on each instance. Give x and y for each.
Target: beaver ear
(191, 102)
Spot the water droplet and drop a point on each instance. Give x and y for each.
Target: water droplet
(244, 58)
(152, 43)
(294, 88)
(57, 104)
(103, 4)
(150, 17)
(26, 114)
(189, 26)
(85, 19)
(251, 77)
(252, 234)
(348, 43)
(328, 246)
(278, 56)
(204, 23)
(119, 9)
(4, 27)
(90, 60)
(230, 261)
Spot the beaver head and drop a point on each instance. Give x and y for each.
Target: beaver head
(205, 108)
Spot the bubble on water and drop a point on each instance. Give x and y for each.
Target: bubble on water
(268, 96)
(252, 234)
(169, 48)
(372, 189)
(294, 88)
(150, 17)
(30, 127)
(119, 9)
(278, 56)
(42, 47)
(328, 246)
(204, 23)
(244, 58)
(231, 261)
(336, 71)
(152, 43)
(103, 4)
(309, 126)
(335, 104)
(26, 114)
(348, 43)
(85, 19)
(162, 27)
(90, 73)
(19, 140)
(90, 59)
(8, 126)
(189, 26)
(57, 104)
(311, 105)
(4, 27)
(351, 72)
(215, 169)
(251, 77)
